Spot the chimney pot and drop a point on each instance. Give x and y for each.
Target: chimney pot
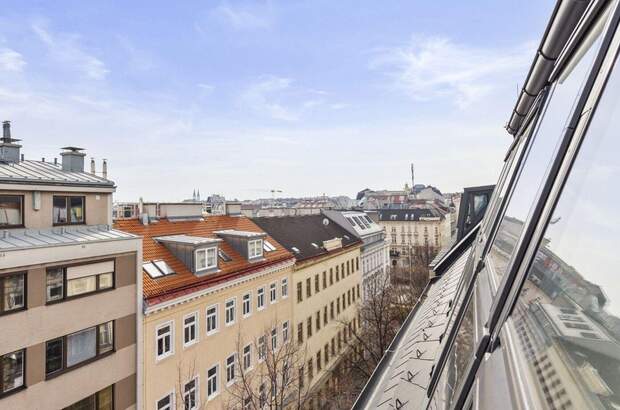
(22, 157)
(92, 165)
(6, 131)
(55, 161)
(104, 169)
(43, 159)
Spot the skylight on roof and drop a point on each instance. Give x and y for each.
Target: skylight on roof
(157, 269)
(295, 249)
(267, 246)
(223, 256)
(315, 245)
(351, 221)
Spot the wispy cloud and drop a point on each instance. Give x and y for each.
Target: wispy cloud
(11, 60)
(206, 88)
(246, 17)
(66, 49)
(263, 98)
(435, 67)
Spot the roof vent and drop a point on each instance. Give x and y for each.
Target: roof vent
(9, 150)
(325, 221)
(73, 159)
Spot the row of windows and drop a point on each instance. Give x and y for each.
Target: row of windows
(191, 389)
(321, 281)
(61, 283)
(341, 303)
(66, 210)
(165, 332)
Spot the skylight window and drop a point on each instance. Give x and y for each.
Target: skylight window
(268, 247)
(295, 249)
(223, 256)
(351, 221)
(359, 222)
(315, 245)
(157, 269)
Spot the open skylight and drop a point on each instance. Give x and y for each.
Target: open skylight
(223, 256)
(157, 269)
(268, 247)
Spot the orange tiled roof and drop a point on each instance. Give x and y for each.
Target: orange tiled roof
(184, 281)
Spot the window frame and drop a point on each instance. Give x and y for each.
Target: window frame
(68, 207)
(273, 293)
(98, 355)
(284, 288)
(65, 281)
(234, 311)
(252, 244)
(22, 223)
(196, 339)
(171, 405)
(165, 355)
(206, 252)
(24, 368)
(234, 370)
(4, 277)
(216, 306)
(249, 355)
(247, 314)
(216, 393)
(196, 380)
(260, 298)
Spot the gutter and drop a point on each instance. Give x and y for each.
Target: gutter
(564, 19)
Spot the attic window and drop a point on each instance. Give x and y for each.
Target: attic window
(347, 237)
(223, 256)
(295, 249)
(157, 269)
(315, 245)
(359, 222)
(206, 258)
(351, 221)
(268, 247)
(255, 248)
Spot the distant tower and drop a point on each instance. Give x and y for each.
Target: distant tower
(198, 195)
(412, 178)
(194, 195)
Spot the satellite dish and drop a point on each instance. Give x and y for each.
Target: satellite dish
(325, 221)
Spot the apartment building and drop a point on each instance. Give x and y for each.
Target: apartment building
(414, 231)
(68, 287)
(215, 288)
(326, 285)
(375, 257)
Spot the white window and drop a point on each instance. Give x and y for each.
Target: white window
(212, 321)
(190, 329)
(262, 348)
(246, 306)
(190, 395)
(284, 290)
(272, 293)
(230, 311)
(247, 357)
(166, 402)
(255, 248)
(212, 386)
(260, 298)
(230, 369)
(285, 331)
(165, 340)
(206, 258)
(274, 338)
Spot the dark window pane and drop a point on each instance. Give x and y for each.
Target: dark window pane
(10, 210)
(53, 356)
(12, 370)
(105, 399)
(106, 337)
(55, 284)
(13, 292)
(541, 151)
(88, 403)
(60, 210)
(567, 316)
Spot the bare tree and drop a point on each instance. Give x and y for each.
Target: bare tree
(274, 378)
(187, 386)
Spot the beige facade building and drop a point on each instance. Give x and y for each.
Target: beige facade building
(68, 287)
(326, 286)
(217, 289)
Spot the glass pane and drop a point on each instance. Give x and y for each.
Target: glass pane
(81, 346)
(12, 370)
(13, 292)
(85, 404)
(201, 259)
(77, 209)
(567, 316)
(81, 285)
(106, 337)
(10, 210)
(55, 279)
(106, 280)
(105, 399)
(539, 156)
(53, 356)
(60, 210)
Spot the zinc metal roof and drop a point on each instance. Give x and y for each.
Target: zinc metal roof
(19, 239)
(187, 239)
(39, 172)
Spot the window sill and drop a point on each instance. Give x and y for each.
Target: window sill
(213, 396)
(10, 312)
(13, 391)
(159, 359)
(213, 332)
(69, 224)
(190, 344)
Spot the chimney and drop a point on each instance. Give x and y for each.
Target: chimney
(232, 208)
(92, 165)
(9, 150)
(104, 169)
(72, 159)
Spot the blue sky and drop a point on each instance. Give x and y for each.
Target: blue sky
(237, 98)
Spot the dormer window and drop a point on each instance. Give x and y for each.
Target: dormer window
(206, 258)
(255, 248)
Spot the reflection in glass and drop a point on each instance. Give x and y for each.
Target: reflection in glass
(567, 316)
(540, 154)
